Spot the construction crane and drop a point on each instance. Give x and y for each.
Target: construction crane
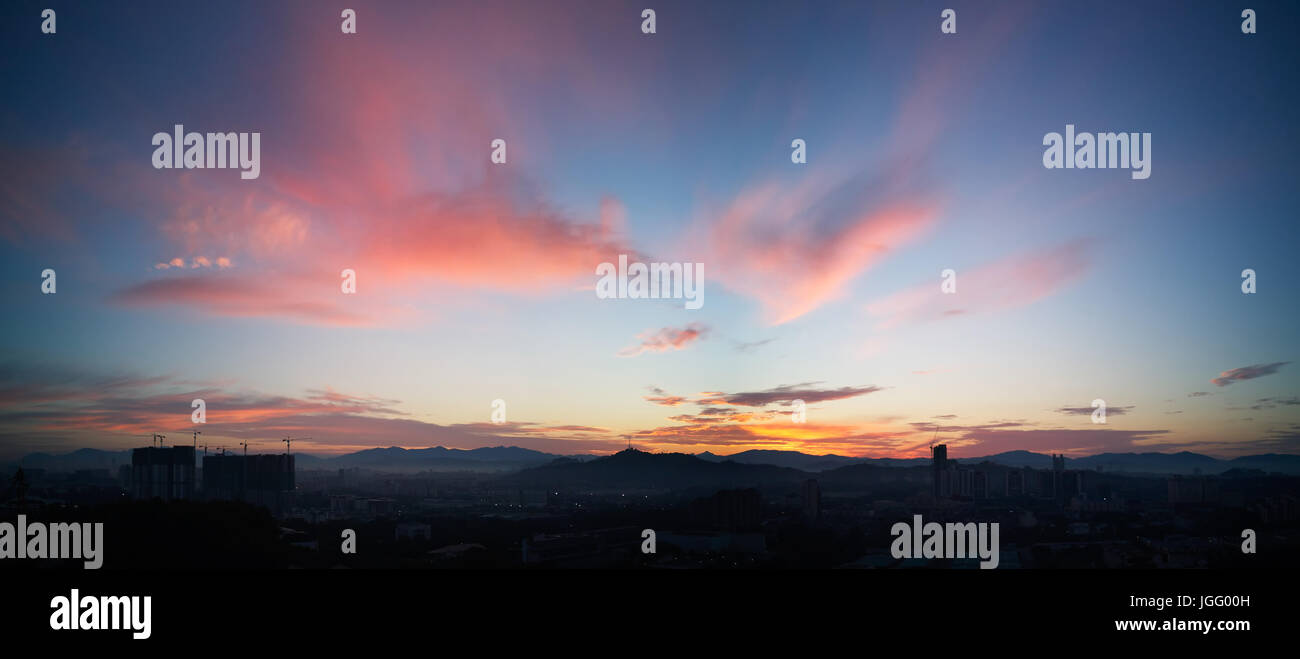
(288, 443)
(245, 445)
(196, 437)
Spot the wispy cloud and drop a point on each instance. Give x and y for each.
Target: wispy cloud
(796, 248)
(1111, 410)
(46, 409)
(662, 397)
(251, 296)
(1247, 373)
(1011, 282)
(665, 339)
(786, 393)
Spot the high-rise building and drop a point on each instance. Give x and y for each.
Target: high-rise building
(165, 473)
(980, 485)
(729, 509)
(265, 480)
(1193, 489)
(1015, 483)
(939, 454)
(812, 500)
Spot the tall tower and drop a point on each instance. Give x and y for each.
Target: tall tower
(939, 454)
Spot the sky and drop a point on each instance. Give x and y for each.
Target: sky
(475, 280)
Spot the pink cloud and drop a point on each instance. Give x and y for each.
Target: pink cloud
(794, 249)
(393, 181)
(245, 297)
(1247, 373)
(1008, 283)
(665, 339)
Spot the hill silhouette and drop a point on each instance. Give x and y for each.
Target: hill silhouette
(631, 468)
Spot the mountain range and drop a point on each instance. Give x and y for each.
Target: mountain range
(502, 459)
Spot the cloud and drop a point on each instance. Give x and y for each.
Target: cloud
(378, 181)
(720, 424)
(1284, 440)
(1247, 373)
(750, 346)
(46, 408)
(220, 262)
(252, 296)
(722, 415)
(495, 236)
(796, 248)
(662, 397)
(574, 429)
(1012, 282)
(1198, 394)
(774, 435)
(1059, 440)
(666, 339)
(1111, 410)
(786, 393)
(1019, 435)
(1270, 403)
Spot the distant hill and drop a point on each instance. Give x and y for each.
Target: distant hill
(500, 459)
(1014, 459)
(808, 461)
(792, 459)
(635, 469)
(1184, 462)
(1268, 462)
(438, 458)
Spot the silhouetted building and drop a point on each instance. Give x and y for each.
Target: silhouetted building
(265, 480)
(1276, 509)
(812, 500)
(939, 454)
(980, 485)
(1015, 483)
(586, 549)
(728, 509)
(1193, 489)
(165, 473)
(413, 531)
